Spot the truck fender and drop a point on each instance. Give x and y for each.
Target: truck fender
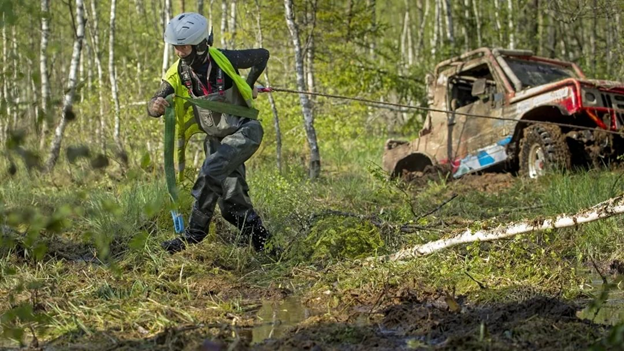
(547, 113)
(415, 162)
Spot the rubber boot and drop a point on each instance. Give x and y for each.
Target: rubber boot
(195, 232)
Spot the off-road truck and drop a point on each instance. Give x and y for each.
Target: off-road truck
(481, 105)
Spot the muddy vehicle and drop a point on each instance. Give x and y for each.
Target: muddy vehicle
(510, 109)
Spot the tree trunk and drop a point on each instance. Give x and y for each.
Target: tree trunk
(308, 116)
(436, 28)
(276, 121)
(466, 27)
(512, 41)
(112, 73)
(210, 22)
(421, 31)
(14, 91)
(592, 38)
(68, 114)
(46, 118)
(405, 37)
(450, 30)
(372, 8)
(540, 28)
(499, 28)
(95, 39)
(224, 23)
(475, 7)
(167, 16)
(605, 209)
(311, 51)
(232, 25)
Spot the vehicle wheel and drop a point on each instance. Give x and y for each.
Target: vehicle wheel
(543, 149)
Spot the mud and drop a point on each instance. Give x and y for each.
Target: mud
(491, 182)
(539, 323)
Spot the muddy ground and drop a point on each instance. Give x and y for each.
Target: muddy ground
(433, 322)
(405, 318)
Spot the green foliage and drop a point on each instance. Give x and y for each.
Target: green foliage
(338, 239)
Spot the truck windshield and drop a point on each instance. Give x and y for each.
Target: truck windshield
(531, 73)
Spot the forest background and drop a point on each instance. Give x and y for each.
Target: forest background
(82, 176)
(378, 50)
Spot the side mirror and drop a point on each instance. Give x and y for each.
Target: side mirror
(478, 88)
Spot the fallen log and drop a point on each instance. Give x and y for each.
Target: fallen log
(604, 209)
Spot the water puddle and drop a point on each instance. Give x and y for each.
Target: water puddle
(275, 317)
(611, 312)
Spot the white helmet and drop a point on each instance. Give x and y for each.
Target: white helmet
(187, 28)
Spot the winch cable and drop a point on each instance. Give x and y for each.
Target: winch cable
(380, 104)
(170, 124)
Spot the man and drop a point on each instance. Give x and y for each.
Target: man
(207, 73)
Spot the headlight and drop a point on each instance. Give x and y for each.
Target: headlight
(590, 98)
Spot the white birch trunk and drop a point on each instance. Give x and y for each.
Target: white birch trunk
(475, 7)
(372, 8)
(450, 30)
(465, 28)
(404, 36)
(308, 116)
(232, 25)
(436, 28)
(210, 22)
(167, 49)
(224, 23)
(499, 27)
(421, 31)
(101, 130)
(512, 41)
(43, 72)
(311, 52)
(113, 76)
(68, 114)
(609, 208)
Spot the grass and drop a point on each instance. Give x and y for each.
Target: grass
(90, 259)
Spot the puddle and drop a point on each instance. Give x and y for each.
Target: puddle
(275, 317)
(612, 311)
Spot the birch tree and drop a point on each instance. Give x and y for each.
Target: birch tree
(310, 51)
(512, 42)
(499, 27)
(113, 77)
(232, 25)
(167, 16)
(475, 9)
(276, 121)
(450, 30)
(95, 39)
(43, 71)
(67, 111)
(224, 24)
(308, 116)
(421, 31)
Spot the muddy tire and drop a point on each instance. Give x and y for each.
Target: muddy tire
(543, 149)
